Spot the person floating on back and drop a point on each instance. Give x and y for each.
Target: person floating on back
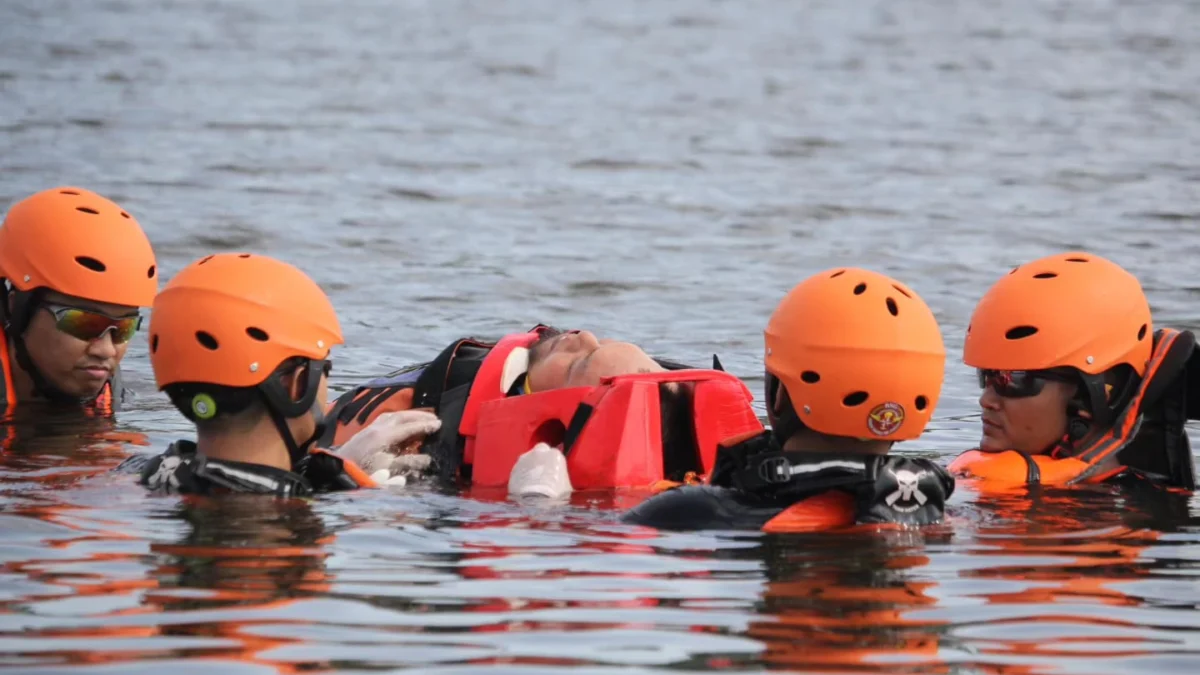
(76, 269)
(854, 363)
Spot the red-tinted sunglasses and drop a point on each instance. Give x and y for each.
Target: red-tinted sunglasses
(1019, 383)
(88, 325)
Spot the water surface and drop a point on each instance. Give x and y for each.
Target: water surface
(657, 171)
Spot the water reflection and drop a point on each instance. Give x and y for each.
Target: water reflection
(841, 603)
(1062, 574)
(242, 552)
(1101, 578)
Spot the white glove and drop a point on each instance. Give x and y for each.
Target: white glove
(377, 448)
(541, 471)
(399, 469)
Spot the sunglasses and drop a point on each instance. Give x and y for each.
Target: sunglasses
(88, 325)
(1019, 383)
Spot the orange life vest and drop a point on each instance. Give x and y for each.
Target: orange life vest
(1163, 392)
(611, 434)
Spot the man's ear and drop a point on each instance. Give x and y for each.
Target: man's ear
(294, 382)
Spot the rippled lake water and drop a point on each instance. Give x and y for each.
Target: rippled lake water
(657, 171)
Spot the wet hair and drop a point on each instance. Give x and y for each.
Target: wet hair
(680, 450)
(229, 402)
(233, 406)
(536, 354)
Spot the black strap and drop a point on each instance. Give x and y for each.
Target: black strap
(433, 380)
(326, 472)
(759, 466)
(1033, 473)
(446, 447)
(116, 389)
(579, 420)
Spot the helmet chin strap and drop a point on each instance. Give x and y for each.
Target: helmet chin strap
(1095, 406)
(785, 421)
(15, 325)
(282, 407)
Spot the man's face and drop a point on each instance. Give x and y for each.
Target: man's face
(76, 344)
(578, 359)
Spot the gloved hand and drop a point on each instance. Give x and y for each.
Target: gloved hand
(378, 449)
(541, 471)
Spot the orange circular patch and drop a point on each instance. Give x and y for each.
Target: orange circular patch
(885, 418)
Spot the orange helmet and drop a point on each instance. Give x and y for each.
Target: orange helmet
(859, 353)
(78, 243)
(231, 319)
(1072, 309)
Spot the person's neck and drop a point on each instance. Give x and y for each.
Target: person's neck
(260, 445)
(810, 442)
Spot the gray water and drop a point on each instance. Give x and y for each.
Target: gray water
(655, 171)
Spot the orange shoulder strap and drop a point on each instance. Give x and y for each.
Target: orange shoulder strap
(825, 511)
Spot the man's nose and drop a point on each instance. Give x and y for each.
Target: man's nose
(103, 347)
(586, 340)
(989, 399)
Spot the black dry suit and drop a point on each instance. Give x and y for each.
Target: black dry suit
(755, 480)
(183, 470)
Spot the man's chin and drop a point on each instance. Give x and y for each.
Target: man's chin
(992, 444)
(82, 390)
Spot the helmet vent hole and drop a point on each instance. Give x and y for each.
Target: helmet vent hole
(857, 398)
(1045, 275)
(1077, 260)
(258, 334)
(810, 377)
(206, 259)
(921, 402)
(860, 288)
(207, 341)
(150, 272)
(154, 343)
(68, 192)
(91, 263)
(125, 216)
(891, 304)
(1020, 332)
(244, 255)
(902, 291)
(837, 274)
(85, 209)
(1142, 333)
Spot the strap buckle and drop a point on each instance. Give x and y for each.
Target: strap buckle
(775, 470)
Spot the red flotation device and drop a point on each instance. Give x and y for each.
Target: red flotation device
(610, 433)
